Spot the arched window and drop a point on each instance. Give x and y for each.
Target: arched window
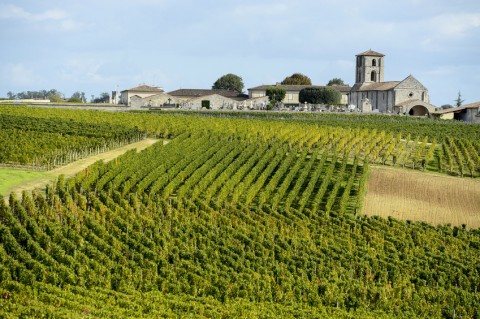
(374, 62)
(373, 76)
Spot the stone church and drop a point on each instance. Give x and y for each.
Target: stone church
(372, 94)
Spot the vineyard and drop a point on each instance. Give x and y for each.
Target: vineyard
(47, 143)
(256, 215)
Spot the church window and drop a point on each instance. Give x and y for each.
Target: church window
(374, 62)
(410, 94)
(373, 76)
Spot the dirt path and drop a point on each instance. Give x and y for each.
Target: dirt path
(72, 168)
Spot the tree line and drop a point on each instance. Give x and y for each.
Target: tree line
(56, 96)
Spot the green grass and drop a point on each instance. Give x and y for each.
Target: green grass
(13, 177)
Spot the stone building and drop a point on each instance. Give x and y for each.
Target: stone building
(140, 91)
(372, 94)
(190, 99)
(468, 113)
(218, 99)
(189, 94)
(154, 101)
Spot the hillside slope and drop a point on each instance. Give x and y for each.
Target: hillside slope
(214, 226)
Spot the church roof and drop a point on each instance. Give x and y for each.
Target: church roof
(371, 53)
(375, 86)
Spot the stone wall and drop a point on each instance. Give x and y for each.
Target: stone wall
(411, 89)
(381, 101)
(156, 100)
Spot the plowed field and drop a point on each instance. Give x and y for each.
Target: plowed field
(416, 196)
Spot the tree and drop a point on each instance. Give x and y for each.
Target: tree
(77, 97)
(446, 106)
(54, 96)
(310, 95)
(458, 101)
(297, 79)
(275, 94)
(335, 81)
(320, 95)
(104, 98)
(230, 82)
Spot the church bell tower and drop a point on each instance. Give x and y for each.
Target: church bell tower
(369, 67)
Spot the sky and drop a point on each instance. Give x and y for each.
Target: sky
(107, 45)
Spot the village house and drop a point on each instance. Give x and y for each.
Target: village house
(467, 113)
(372, 93)
(138, 92)
(215, 99)
(190, 99)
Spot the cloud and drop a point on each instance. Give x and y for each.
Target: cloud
(14, 12)
(455, 25)
(52, 15)
(21, 75)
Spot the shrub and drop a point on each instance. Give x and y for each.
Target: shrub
(320, 95)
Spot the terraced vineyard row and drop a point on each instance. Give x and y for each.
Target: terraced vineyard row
(377, 139)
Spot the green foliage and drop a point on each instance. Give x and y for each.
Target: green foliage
(297, 79)
(75, 100)
(236, 218)
(78, 97)
(51, 142)
(103, 98)
(311, 95)
(335, 81)
(275, 94)
(229, 82)
(458, 101)
(53, 95)
(320, 95)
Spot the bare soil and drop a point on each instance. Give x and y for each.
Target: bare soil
(73, 168)
(417, 196)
